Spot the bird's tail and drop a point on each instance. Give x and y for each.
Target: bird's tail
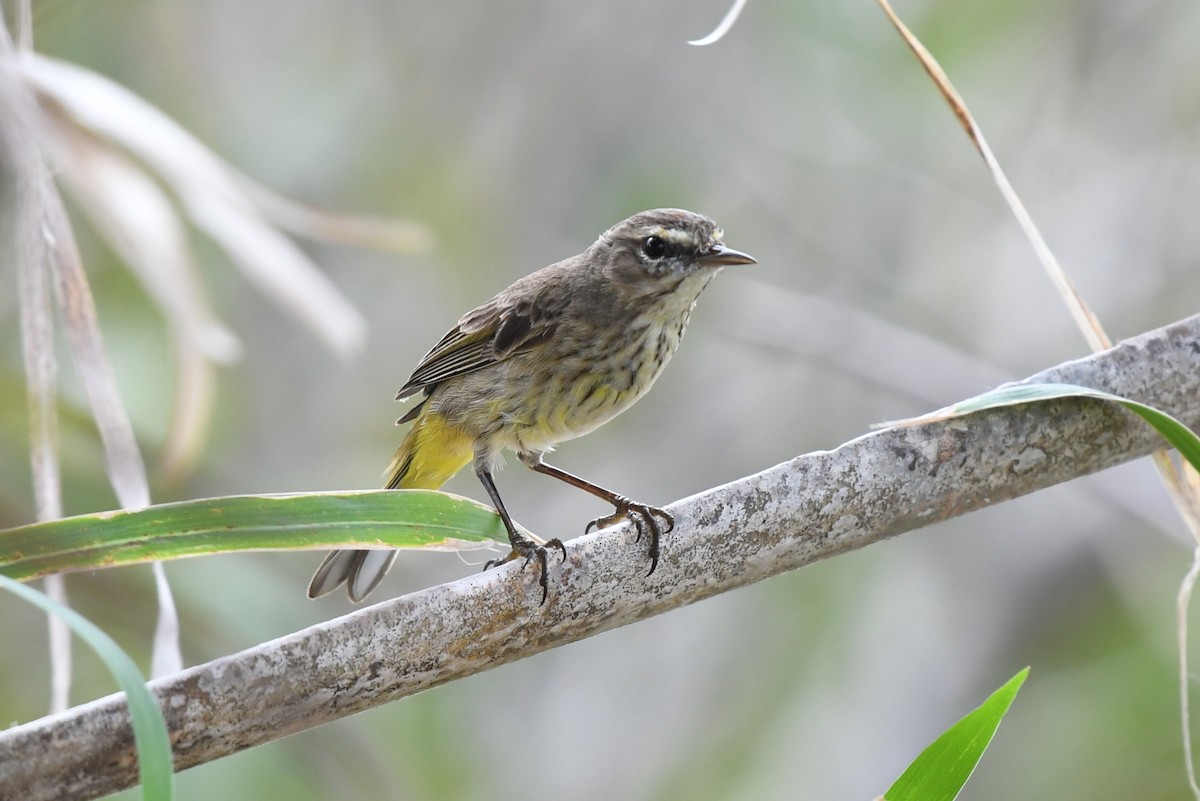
(428, 457)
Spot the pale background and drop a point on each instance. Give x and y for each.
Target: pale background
(518, 131)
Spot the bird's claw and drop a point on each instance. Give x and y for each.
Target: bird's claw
(530, 549)
(645, 518)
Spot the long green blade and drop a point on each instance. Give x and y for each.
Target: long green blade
(1180, 436)
(155, 764)
(942, 769)
(319, 520)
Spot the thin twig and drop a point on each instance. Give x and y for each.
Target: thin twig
(1085, 319)
(1181, 634)
(32, 254)
(723, 27)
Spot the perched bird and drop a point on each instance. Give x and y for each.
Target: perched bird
(552, 357)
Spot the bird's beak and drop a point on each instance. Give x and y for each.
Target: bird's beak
(720, 256)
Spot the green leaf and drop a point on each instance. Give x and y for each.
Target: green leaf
(318, 520)
(942, 769)
(155, 765)
(1180, 436)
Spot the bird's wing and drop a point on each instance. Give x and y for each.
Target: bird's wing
(511, 323)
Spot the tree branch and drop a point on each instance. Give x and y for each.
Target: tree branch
(809, 508)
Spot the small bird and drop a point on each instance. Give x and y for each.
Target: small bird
(552, 357)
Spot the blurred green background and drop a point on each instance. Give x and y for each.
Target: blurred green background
(891, 280)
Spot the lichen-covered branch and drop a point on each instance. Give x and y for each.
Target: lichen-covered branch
(788, 516)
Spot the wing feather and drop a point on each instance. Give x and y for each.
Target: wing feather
(514, 322)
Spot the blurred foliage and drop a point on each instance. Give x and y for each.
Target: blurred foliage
(520, 131)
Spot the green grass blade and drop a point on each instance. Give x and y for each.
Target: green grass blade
(319, 520)
(155, 764)
(942, 769)
(1180, 436)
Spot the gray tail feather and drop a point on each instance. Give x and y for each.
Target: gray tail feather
(360, 571)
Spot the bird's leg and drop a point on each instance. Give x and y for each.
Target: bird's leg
(647, 519)
(521, 545)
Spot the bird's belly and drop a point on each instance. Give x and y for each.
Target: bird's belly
(536, 400)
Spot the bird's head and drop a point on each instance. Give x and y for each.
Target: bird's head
(665, 244)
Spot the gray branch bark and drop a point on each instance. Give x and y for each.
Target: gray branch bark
(788, 516)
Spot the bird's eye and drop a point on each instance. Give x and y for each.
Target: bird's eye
(654, 247)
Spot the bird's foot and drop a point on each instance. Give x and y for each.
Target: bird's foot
(647, 519)
(530, 550)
